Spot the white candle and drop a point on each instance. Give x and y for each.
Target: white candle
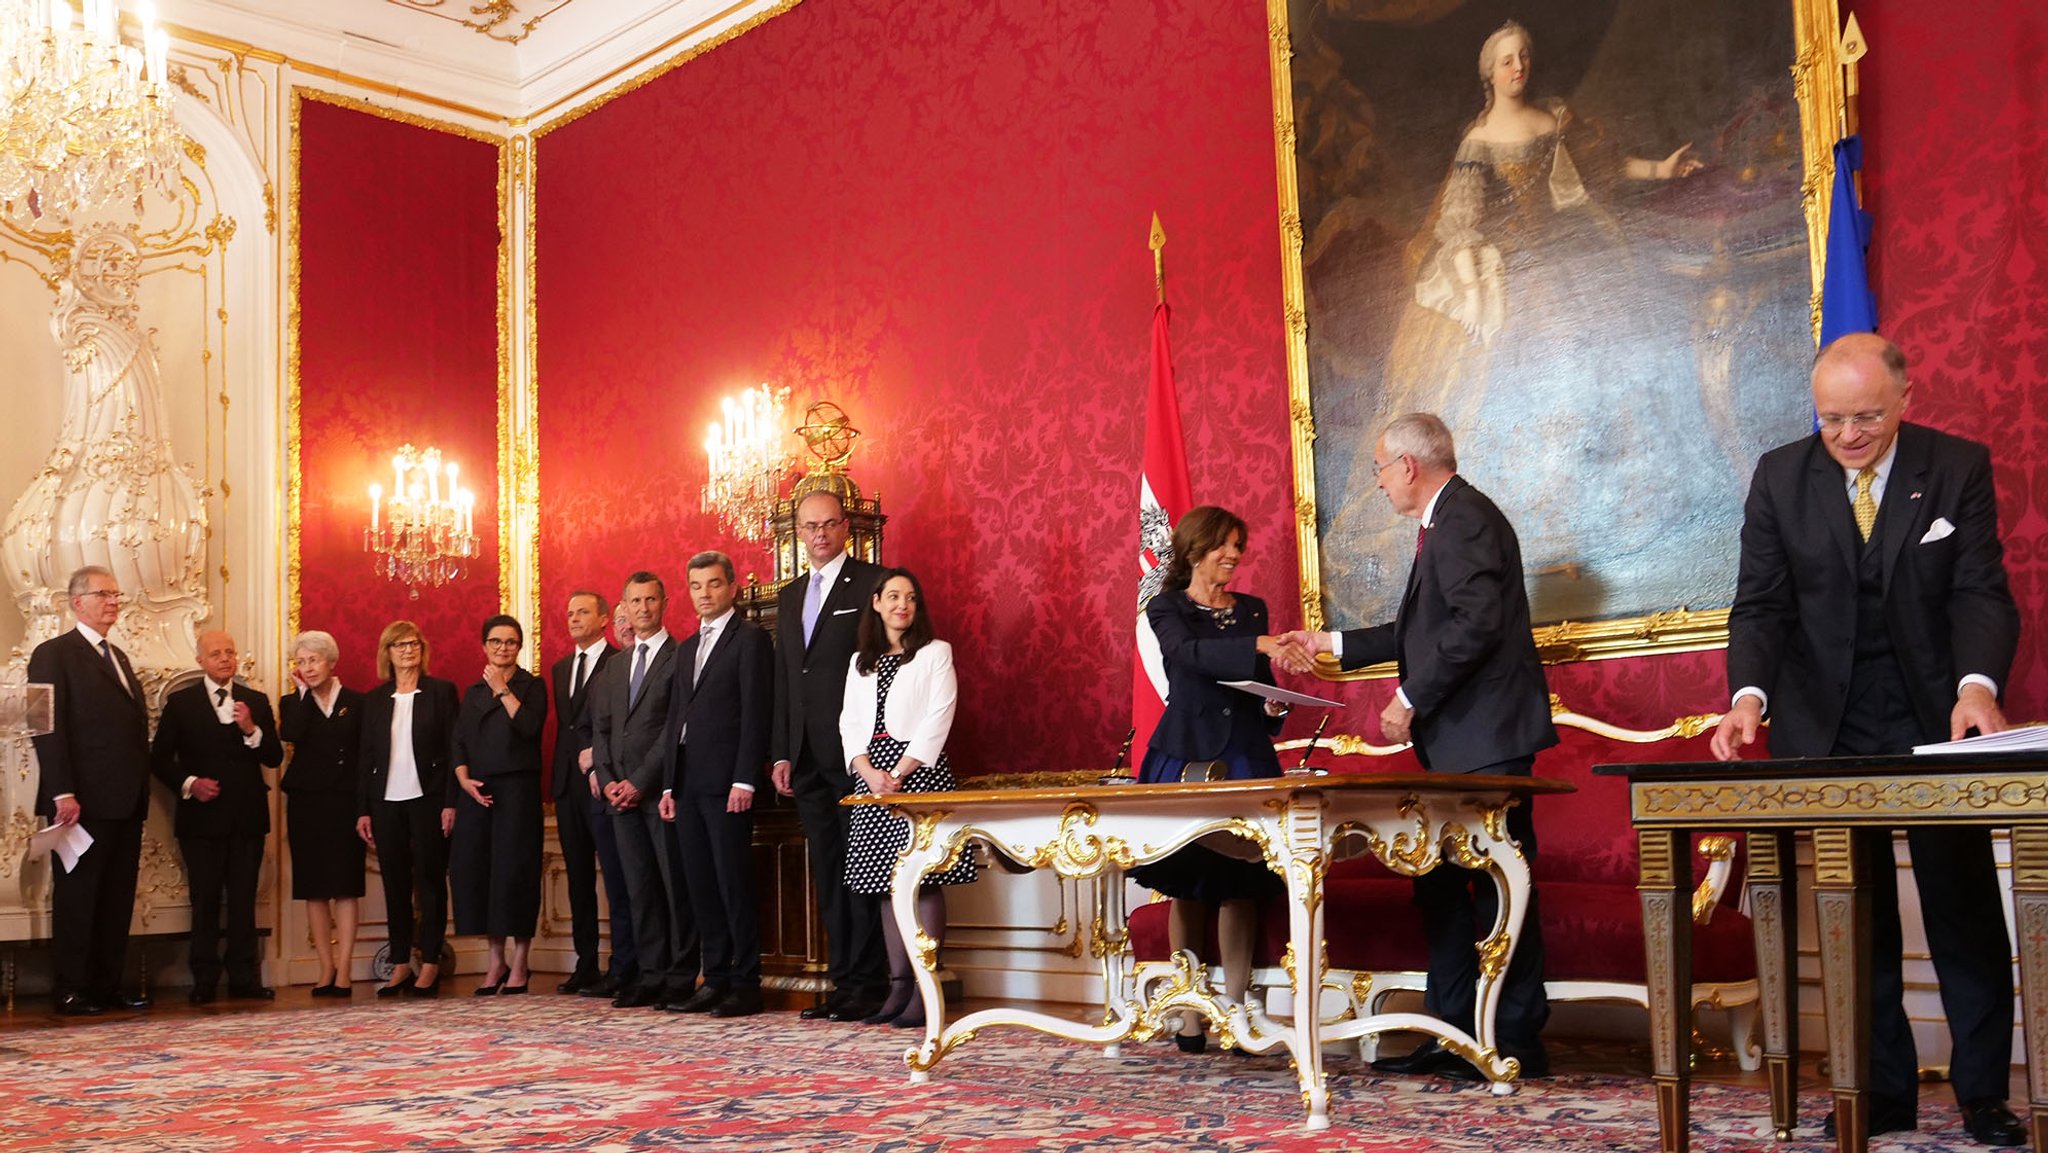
(397, 477)
(60, 17)
(376, 498)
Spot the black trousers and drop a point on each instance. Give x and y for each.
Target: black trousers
(214, 865)
(664, 928)
(1458, 906)
(90, 908)
(590, 846)
(853, 922)
(716, 848)
(412, 856)
(494, 859)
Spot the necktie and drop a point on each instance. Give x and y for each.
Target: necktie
(639, 671)
(1421, 531)
(704, 640)
(107, 651)
(1865, 504)
(814, 601)
(220, 696)
(576, 678)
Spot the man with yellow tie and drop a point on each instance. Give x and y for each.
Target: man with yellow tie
(1871, 615)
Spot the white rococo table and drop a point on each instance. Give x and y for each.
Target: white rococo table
(1300, 824)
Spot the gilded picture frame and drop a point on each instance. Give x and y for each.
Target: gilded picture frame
(1610, 381)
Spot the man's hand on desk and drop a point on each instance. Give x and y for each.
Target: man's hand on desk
(1975, 709)
(1738, 728)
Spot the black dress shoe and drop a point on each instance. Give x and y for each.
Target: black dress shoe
(252, 992)
(578, 981)
(1991, 1123)
(513, 990)
(855, 1009)
(1886, 1116)
(77, 1005)
(702, 1001)
(606, 986)
(431, 989)
(136, 1001)
(823, 1010)
(1191, 1042)
(490, 990)
(637, 997)
(673, 999)
(738, 1003)
(334, 990)
(395, 988)
(202, 995)
(1427, 1058)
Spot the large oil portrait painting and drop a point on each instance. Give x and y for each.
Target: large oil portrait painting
(1579, 231)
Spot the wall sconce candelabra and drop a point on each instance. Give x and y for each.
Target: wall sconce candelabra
(85, 120)
(749, 459)
(422, 535)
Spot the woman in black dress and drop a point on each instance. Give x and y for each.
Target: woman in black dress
(1209, 634)
(408, 802)
(897, 712)
(323, 721)
(494, 860)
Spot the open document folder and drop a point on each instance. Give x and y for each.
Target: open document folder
(69, 842)
(2022, 739)
(1276, 693)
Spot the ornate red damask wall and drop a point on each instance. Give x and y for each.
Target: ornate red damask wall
(397, 339)
(935, 216)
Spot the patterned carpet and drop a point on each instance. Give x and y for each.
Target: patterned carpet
(560, 1073)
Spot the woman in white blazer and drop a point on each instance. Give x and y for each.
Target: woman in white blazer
(896, 715)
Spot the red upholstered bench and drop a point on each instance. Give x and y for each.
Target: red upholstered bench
(1585, 871)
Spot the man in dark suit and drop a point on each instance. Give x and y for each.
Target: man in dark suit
(630, 711)
(1472, 699)
(718, 716)
(214, 741)
(817, 621)
(94, 766)
(1871, 615)
(581, 818)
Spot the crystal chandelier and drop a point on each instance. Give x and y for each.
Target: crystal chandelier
(422, 535)
(749, 457)
(85, 120)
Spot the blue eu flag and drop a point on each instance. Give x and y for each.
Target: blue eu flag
(1846, 304)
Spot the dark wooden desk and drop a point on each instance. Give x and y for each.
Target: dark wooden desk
(1840, 802)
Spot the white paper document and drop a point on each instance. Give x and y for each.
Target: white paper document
(1276, 693)
(69, 842)
(2010, 741)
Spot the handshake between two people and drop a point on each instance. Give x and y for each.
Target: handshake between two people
(1295, 653)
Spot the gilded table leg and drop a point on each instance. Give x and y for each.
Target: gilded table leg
(2030, 921)
(933, 839)
(1773, 912)
(1664, 886)
(1842, 911)
(1305, 864)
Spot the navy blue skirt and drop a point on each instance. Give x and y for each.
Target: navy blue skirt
(1197, 873)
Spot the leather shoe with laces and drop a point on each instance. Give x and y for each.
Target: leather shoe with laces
(855, 1009)
(1426, 1058)
(739, 1003)
(1991, 1123)
(577, 981)
(823, 1010)
(637, 997)
(702, 1001)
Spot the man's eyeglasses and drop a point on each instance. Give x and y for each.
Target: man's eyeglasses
(1839, 423)
(104, 594)
(814, 527)
(1378, 468)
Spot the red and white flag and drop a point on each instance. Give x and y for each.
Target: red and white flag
(1164, 497)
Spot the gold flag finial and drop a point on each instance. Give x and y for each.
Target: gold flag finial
(1851, 49)
(1158, 258)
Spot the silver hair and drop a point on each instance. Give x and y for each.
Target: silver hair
(1423, 436)
(708, 558)
(319, 644)
(81, 579)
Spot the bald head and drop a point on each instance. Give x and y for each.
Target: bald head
(217, 655)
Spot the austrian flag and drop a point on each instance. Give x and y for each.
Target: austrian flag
(1163, 498)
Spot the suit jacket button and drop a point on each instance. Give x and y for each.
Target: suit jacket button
(1226, 712)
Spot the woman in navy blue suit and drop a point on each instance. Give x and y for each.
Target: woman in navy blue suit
(1208, 634)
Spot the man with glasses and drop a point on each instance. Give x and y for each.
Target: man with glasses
(95, 774)
(817, 620)
(1871, 615)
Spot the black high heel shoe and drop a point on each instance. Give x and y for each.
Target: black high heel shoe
(901, 992)
(488, 989)
(1191, 1042)
(431, 989)
(397, 987)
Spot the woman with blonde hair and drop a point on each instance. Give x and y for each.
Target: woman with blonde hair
(323, 721)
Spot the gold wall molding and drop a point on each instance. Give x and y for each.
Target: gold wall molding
(546, 123)
(485, 17)
(1817, 86)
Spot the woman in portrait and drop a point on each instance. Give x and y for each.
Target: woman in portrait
(1207, 634)
(896, 715)
(494, 856)
(1517, 272)
(323, 721)
(407, 803)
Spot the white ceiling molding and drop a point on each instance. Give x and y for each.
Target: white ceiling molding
(566, 51)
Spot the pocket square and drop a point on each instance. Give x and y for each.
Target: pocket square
(1939, 529)
(843, 612)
